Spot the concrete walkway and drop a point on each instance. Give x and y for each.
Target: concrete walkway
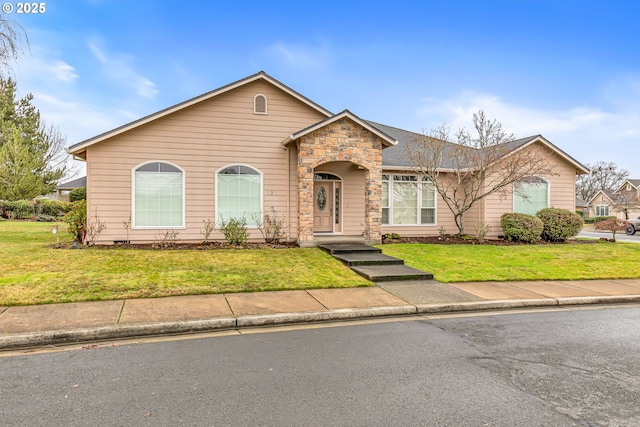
(31, 326)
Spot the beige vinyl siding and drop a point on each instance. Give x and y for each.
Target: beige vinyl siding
(201, 140)
(561, 194)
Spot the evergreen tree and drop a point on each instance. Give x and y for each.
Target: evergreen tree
(32, 157)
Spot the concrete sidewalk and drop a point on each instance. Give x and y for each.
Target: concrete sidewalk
(31, 326)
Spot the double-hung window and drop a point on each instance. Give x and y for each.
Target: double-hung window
(158, 196)
(530, 195)
(239, 194)
(602, 210)
(408, 200)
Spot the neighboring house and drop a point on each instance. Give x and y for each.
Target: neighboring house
(63, 190)
(256, 145)
(602, 204)
(581, 206)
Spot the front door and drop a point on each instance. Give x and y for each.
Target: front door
(323, 207)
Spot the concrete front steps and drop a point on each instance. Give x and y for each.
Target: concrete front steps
(372, 264)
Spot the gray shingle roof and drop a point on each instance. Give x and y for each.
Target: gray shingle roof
(397, 155)
(76, 183)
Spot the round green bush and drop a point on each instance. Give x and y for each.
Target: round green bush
(78, 194)
(559, 224)
(521, 227)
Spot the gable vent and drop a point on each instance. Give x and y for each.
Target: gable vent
(259, 104)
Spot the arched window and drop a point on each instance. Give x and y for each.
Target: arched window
(530, 195)
(239, 194)
(158, 196)
(260, 104)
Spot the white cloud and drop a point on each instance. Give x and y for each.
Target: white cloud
(97, 52)
(119, 69)
(76, 119)
(301, 56)
(46, 67)
(607, 132)
(516, 118)
(64, 72)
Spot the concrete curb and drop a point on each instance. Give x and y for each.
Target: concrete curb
(525, 303)
(37, 339)
(323, 316)
(485, 305)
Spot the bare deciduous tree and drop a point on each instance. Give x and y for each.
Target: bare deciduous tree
(465, 169)
(611, 225)
(603, 176)
(625, 201)
(11, 38)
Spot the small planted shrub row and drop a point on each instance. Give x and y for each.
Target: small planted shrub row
(38, 209)
(598, 219)
(550, 224)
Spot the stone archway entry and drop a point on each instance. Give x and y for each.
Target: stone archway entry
(340, 138)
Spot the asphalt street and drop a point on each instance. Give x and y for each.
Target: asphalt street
(622, 236)
(563, 368)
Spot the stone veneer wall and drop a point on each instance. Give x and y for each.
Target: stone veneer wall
(341, 141)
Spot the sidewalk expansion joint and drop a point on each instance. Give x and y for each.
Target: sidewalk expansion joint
(121, 311)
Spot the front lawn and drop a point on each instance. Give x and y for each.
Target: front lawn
(32, 271)
(471, 263)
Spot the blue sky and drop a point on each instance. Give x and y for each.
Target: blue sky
(569, 70)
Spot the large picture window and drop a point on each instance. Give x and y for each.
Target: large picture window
(158, 196)
(530, 195)
(239, 194)
(408, 200)
(602, 210)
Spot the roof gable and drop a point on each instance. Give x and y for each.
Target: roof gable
(606, 193)
(520, 144)
(386, 139)
(635, 183)
(76, 148)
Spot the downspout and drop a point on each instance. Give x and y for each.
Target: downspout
(288, 214)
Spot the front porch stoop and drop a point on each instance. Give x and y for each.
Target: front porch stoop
(373, 265)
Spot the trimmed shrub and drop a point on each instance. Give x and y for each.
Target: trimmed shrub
(235, 231)
(521, 227)
(51, 207)
(77, 219)
(20, 209)
(559, 224)
(78, 194)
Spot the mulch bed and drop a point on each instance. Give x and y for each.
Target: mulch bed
(183, 246)
(467, 240)
(432, 240)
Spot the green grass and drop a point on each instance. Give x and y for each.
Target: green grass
(471, 263)
(32, 271)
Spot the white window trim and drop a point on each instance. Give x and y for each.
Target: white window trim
(133, 199)
(601, 206)
(421, 182)
(266, 104)
(215, 208)
(513, 198)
